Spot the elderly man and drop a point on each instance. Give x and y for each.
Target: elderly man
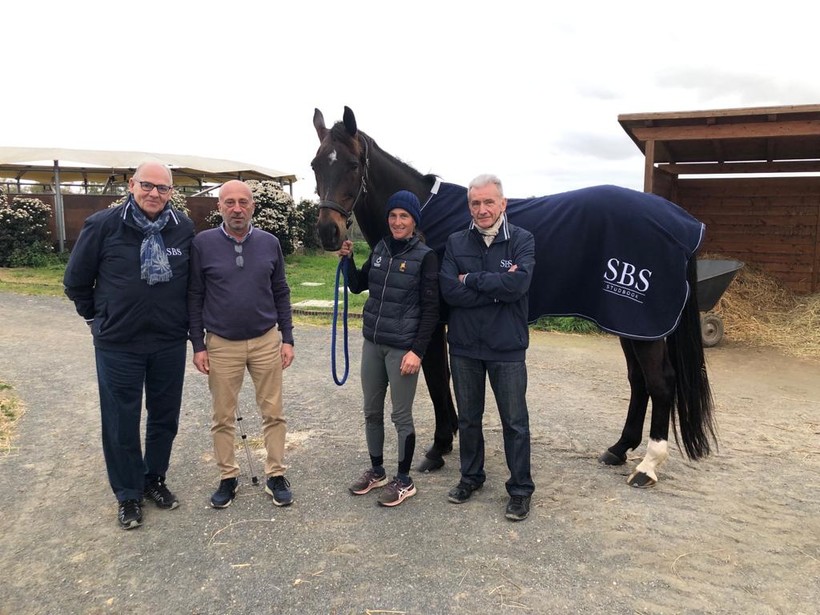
(127, 276)
(239, 296)
(485, 278)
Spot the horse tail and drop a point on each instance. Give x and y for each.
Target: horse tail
(693, 395)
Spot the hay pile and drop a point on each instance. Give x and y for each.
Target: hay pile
(757, 310)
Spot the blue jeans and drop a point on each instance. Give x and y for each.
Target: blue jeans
(121, 377)
(508, 380)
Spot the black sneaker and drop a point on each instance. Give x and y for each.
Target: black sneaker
(157, 492)
(278, 488)
(130, 514)
(462, 492)
(226, 492)
(518, 508)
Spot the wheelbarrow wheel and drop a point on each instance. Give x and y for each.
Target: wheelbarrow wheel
(711, 329)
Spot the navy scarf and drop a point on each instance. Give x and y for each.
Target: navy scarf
(154, 265)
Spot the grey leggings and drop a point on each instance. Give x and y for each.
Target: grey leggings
(381, 366)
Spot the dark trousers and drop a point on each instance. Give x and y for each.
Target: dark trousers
(509, 384)
(121, 377)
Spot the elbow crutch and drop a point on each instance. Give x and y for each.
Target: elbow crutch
(254, 478)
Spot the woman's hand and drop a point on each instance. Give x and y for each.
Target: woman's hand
(410, 363)
(346, 249)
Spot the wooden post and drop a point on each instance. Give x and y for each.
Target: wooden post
(649, 167)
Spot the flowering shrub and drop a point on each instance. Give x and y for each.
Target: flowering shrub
(24, 237)
(293, 224)
(310, 216)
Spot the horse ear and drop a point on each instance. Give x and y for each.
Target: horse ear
(319, 124)
(349, 122)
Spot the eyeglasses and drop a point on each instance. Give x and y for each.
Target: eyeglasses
(240, 260)
(161, 188)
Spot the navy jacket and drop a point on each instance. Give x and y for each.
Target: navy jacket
(488, 311)
(102, 278)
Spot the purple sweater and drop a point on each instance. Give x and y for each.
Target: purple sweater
(237, 303)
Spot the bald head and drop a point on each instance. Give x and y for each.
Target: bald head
(236, 207)
(235, 186)
(154, 169)
(150, 186)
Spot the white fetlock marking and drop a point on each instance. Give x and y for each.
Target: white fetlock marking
(656, 453)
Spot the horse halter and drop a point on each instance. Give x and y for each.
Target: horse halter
(362, 191)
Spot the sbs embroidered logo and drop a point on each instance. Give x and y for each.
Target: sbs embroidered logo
(626, 280)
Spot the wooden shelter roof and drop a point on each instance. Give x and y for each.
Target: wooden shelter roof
(749, 140)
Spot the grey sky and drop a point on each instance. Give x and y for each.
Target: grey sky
(527, 90)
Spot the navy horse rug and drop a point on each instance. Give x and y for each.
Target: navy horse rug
(615, 256)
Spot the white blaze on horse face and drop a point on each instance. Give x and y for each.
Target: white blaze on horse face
(331, 157)
(656, 453)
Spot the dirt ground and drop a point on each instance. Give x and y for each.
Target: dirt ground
(738, 532)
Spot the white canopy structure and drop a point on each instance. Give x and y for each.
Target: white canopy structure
(69, 169)
(43, 165)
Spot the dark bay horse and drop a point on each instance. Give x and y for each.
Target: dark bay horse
(621, 258)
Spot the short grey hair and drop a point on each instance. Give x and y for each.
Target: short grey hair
(485, 180)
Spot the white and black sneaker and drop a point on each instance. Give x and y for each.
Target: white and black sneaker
(130, 514)
(226, 492)
(159, 494)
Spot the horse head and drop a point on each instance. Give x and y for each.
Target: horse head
(340, 167)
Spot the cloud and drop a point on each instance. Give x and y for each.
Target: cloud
(745, 89)
(606, 147)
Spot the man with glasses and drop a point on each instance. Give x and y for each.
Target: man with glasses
(240, 312)
(128, 277)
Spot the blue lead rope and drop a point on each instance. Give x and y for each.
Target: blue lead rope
(341, 270)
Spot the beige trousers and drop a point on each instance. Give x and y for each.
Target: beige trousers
(228, 360)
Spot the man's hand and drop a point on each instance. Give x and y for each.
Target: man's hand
(287, 355)
(201, 362)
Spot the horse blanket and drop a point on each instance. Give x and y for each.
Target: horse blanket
(615, 256)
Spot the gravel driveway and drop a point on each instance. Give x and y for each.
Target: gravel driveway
(736, 533)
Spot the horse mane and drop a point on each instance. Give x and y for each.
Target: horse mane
(339, 133)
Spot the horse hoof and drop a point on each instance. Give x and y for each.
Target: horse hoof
(641, 480)
(611, 459)
(430, 465)
(437, 449)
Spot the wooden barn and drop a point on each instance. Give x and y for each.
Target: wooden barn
(751, 175)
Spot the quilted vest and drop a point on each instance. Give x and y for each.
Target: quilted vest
(391, 313)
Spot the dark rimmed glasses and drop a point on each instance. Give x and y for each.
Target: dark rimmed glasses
(161, 188)
(240, 260)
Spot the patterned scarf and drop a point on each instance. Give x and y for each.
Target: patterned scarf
(488, 234)
(154, 266)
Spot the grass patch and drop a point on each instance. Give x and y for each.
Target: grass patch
(310, 276)
(46, 281)
(565, 324)
(10, 412)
